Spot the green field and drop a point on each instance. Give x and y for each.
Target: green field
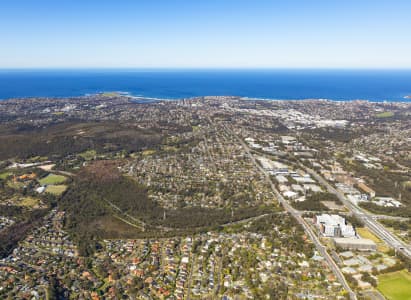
(5, 175)
(56, 189)
(395, 286)
(386, 114)
(52, 179)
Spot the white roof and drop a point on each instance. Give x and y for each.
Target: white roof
(290, 194)
(355, 241)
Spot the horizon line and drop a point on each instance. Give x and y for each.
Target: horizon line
(207, 68)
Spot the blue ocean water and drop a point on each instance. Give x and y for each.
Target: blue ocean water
(374, 85)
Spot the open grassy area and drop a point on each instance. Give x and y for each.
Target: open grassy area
(366, 234)
(52, 179)
(56, 189)
(386, 114)
(113, 226)
(4, 175)
(395, 286)
(29, 202)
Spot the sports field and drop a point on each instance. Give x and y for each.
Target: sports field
(52, 179)
(395, 286)
(386, 114)
(56, 189)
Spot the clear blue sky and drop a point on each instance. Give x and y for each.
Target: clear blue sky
(205, 33)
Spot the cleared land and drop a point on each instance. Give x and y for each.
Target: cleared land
(395, 286)
(366, 234)
(52, 179)
(333, 206)
(47, 167)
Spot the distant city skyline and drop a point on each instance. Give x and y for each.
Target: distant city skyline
(207, 34)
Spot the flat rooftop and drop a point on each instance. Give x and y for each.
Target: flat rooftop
(354, 241)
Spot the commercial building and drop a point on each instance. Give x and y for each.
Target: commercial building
(334, 226)
(355, 244)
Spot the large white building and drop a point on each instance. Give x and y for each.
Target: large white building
(334, 226)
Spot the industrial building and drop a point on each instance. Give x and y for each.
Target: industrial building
(369, 191)
(355, 244)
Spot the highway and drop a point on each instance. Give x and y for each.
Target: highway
(321, 248)
(368, 219)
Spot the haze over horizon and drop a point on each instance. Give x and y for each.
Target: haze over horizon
(215, 34)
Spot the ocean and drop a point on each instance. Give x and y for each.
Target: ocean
(341, 85)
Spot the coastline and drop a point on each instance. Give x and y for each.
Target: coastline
(144, 99)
